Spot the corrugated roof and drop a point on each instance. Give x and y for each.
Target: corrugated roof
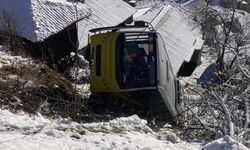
(180, 36)
(39, 19)
(103, 13)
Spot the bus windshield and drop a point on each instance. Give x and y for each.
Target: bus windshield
(137, 62)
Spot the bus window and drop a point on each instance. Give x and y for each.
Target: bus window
(139, 57)
(98, 60)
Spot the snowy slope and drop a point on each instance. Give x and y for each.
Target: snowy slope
(38, 19)
(29, 132)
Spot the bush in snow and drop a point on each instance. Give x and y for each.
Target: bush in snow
(29, 85)
(223, 108)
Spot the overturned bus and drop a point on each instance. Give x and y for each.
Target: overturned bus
(132, 60)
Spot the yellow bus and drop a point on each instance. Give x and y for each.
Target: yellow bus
(132, 60)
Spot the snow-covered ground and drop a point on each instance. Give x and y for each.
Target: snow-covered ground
(26, 131)
(29, 132)
(34, 131)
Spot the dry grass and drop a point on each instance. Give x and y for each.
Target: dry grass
(37, 88)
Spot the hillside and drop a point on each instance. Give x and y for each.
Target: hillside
(46, 104)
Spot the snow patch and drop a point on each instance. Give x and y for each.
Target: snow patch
(123, 124)
(225, 143)
(6, 59)
(141, 12)
(27, 131)
(169, 136)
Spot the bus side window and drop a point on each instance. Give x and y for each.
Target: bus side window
(98, 60)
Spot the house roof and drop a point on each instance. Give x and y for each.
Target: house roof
(103, 13)
(178, 32)
(38, 19)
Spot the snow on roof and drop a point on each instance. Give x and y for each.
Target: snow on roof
(141, 12)
(103, 13)
(149, 3)
(39, 19)
(180, 36)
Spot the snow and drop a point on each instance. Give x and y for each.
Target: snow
(150, 3)
(103, 14)
(206, 60)
(244, 2)
(241, 28)
(156, 22)
(26, 131)
(225, 143)
(29, 131)
(141, 12)
(6, 59)
(38, 19)
(177, 30)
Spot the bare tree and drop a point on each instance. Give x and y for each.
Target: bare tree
(223, 108)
